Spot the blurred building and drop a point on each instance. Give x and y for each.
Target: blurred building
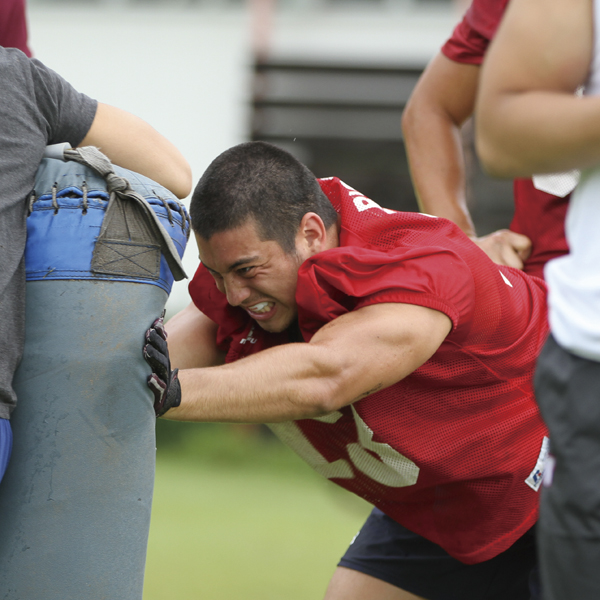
(337, 105)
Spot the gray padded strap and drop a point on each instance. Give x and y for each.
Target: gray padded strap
(130, 225)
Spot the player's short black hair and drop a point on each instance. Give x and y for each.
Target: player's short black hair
(260, 181)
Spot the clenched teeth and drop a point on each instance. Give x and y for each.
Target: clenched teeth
(261, 307)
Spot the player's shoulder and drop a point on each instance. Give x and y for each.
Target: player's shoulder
(14, 64)
(28, 79)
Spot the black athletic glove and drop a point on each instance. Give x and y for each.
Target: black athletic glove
(163, 382)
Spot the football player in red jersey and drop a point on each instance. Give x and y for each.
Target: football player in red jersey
(441, 103)
(387, 350)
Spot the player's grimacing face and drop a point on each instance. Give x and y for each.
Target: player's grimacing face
(254, 274)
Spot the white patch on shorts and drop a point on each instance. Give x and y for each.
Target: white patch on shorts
(535, 478)
(549, 471)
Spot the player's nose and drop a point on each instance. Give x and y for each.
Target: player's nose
(236, 291)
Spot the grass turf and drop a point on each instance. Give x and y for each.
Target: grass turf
(262, 527)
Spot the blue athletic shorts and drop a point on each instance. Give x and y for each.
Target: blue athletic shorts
(5, 445)
(387, 551)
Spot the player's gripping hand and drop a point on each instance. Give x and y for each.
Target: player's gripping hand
(163, 382)
(505, 247)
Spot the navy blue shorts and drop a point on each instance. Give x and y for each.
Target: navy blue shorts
(389, 552)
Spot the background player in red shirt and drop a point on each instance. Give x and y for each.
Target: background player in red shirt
(13, 25)
(413, 385)
(442, 101)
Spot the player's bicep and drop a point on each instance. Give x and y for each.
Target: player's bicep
(527, 118)
(377, 346)
(192, 340)
(540, 45)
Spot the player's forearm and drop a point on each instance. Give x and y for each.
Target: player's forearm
(437, 166)
(132, 143)
(357, 354)
(441, 102)
(165, 164)
(289, 382)
(524, 133)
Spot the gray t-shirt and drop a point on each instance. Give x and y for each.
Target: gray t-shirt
(37, 107)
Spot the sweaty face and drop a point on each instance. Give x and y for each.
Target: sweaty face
(256, 275)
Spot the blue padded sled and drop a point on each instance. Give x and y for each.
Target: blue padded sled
(75, 501)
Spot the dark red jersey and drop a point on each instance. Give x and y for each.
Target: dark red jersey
(541, 217)
(538, 215)
(13, 25)
(447, 451)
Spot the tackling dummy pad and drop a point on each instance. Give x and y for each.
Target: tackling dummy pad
(104, 245)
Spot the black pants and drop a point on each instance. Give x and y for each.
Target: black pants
(568, 393)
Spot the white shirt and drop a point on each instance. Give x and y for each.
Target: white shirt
(574, 279)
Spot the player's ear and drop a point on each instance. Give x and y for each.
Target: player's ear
(312, 235)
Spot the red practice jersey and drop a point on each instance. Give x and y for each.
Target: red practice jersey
(451, 451)
(538, 215)
(13, 25)
(471, 37)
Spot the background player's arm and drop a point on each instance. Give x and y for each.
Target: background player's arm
(441, 102)
(349, 358)
(192, 340)
(132, 143)
(528, 119)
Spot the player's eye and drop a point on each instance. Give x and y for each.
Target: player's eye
(245, 271)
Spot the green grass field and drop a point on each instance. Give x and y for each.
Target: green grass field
(235, 516)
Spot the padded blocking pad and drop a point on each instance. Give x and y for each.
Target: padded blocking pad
(75, 501)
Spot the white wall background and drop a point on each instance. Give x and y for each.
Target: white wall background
(186, 71)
